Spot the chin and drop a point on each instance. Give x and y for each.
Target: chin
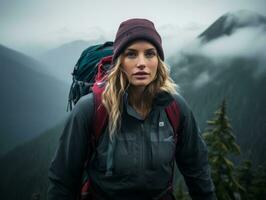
(140, 83)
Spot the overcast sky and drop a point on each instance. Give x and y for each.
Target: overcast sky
(26, 24)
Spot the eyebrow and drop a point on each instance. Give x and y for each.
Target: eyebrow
(151, 49)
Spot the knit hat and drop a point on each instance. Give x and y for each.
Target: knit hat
(136, 29)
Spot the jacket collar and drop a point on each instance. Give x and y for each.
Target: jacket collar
(161, 99)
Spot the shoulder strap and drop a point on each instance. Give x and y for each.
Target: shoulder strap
(100, 113)
(173, 114)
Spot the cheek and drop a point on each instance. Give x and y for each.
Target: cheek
(154, 68)
(127, 67)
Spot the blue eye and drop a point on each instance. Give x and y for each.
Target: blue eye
(150, 54)
(131, 54)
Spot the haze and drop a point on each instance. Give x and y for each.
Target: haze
(33, 26)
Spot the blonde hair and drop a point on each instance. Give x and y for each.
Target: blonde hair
(117, 84)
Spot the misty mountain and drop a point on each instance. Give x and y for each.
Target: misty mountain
(206, 80)
(61, 61)
(31, 101)
(230, 22)
(245, 96)
(8, 54)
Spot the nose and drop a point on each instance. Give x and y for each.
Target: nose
(141, 63)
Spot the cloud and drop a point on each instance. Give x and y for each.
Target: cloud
(36, 44)
(202, 79)
(66, 34)
(248, 42)
(242, 18)
(245, 42)
(176, 37)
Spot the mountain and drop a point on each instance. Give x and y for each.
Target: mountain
(31, 101)
(7, 55)
(230, 22)
(24, 170)
(206, 88)
(206, 80)
(61, 60)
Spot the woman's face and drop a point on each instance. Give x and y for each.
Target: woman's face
(140, 63)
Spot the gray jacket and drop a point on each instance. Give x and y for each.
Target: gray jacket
(137, 163)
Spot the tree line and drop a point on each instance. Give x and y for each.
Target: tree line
(232, 182)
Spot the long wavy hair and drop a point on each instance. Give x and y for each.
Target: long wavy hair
(117, 84)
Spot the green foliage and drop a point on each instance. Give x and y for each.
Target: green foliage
(221, 144)
(245, 176)
(258, 184)
(253, 180)
(231, 183)
(242, 182)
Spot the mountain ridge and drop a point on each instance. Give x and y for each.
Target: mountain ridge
(32, 101)
(228, 23)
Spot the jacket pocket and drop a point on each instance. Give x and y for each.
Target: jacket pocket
(162, 152)
(162, 144)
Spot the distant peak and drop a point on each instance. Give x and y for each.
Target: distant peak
(244, 18)
(229, 22)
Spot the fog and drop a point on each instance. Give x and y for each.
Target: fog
(248, 43)
(34, 26)
(245, 42)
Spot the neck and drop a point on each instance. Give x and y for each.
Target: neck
(138, 102)
(136, 94)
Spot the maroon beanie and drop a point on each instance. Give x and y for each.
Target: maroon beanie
(136, 29)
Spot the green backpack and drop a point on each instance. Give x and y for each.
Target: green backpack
(86, 70)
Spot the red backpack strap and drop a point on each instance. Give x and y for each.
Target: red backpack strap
(100, 113)
(173, 114)
(102, 69)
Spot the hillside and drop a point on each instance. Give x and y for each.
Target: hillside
(31, 101)
(208, 76)
(24, 170)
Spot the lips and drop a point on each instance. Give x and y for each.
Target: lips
(141, 73)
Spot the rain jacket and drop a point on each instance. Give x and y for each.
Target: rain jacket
(138, 162)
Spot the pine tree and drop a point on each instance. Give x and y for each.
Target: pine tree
(253, 181)
(246, 177)
(259, 183)
(221, 144)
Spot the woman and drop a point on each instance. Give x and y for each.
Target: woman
(133, 158)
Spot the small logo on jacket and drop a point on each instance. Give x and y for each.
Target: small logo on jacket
(161, 124)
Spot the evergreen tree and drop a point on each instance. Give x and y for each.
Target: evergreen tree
(259, 184)
(246, 177)
(221, 144)
(253, 181)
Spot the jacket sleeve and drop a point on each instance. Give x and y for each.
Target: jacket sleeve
(67, 166)
(192, 156)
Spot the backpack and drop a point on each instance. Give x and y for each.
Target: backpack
(89, 75)
(86, 71)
